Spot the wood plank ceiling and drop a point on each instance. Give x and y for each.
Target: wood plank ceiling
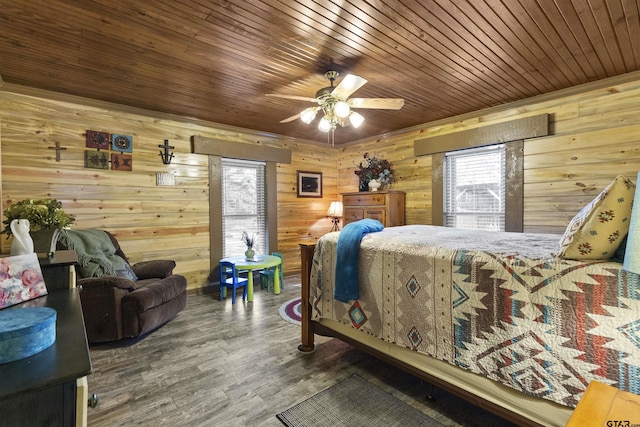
(216, 60)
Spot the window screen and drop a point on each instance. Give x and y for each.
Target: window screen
(243, 205)
(474, 188)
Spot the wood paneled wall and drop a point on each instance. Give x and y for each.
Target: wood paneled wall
(150, 221)
(303, 219)
(595, 135)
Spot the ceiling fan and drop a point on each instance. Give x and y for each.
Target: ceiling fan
(336, 106)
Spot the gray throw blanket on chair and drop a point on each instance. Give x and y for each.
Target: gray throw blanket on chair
(95, 251)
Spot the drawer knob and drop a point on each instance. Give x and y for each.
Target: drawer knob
(93, 401)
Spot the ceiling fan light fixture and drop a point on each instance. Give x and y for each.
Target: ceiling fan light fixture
(355, 119)
(324, 125)
(336, 104)
(341, 109)
(308, 114)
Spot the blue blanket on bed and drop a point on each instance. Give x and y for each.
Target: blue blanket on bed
(348, 255)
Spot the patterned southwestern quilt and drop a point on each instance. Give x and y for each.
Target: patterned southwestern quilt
(497, 304)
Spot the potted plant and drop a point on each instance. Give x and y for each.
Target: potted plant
(46, 218)
(249, 242)
(373, 168)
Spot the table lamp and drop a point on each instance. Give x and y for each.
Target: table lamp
(632, 252)
(335, 212)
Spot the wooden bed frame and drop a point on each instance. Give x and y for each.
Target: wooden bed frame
(310, 327)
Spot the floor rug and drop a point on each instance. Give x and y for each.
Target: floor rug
(354, 402)
(291, 311)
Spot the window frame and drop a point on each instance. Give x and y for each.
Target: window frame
(511, 132)
(261, 216)
(514, 171)
(454, 214)
(215, 149)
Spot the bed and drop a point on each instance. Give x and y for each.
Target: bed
(492, 317)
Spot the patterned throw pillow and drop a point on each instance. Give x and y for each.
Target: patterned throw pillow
(597, 230)
(127, 272)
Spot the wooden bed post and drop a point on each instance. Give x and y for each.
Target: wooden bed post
(306, 256)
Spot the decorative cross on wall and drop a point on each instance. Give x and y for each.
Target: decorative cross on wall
(58, 148)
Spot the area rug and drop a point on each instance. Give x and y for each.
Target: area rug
(291, 311)
(354, 402)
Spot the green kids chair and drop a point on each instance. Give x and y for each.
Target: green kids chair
(266, 275)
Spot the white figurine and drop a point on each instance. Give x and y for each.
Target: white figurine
(22, 242)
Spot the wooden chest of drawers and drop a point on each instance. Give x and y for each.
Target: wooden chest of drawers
(386, 206)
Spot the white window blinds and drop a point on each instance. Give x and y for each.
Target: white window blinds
(474, 188)
(243, 205)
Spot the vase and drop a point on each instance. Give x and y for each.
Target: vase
(22, 243)
(374, 185)
(249, 253)
(45, 240)
(363, 185)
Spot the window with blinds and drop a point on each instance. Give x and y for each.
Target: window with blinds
(243, 205)
(474, 188)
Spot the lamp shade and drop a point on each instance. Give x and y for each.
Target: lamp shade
(356, 119)
(308, 115)
(632, 252)
(341, 109)
(335, 210)
(324, 125)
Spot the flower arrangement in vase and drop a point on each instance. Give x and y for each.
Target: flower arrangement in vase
(46, 218)
(373, 168)
(249, 242)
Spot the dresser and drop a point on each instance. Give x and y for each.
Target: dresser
(386, 206)
(50, 387)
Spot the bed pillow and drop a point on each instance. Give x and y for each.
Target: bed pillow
(597, 230)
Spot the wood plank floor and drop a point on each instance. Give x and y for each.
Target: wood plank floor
(221, 365)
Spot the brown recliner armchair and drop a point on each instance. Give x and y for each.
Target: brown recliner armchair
(139, 299)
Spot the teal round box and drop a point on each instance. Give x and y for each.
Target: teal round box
(25, 332)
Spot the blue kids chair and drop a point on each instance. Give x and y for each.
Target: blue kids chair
(229, 279)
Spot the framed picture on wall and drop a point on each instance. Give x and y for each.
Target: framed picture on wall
(309, 184)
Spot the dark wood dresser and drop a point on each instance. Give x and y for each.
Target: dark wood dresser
(49, 388)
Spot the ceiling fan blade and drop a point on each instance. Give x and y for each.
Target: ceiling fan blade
(300, 98)
(290, 119)
(380, 103)
(348, 85)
